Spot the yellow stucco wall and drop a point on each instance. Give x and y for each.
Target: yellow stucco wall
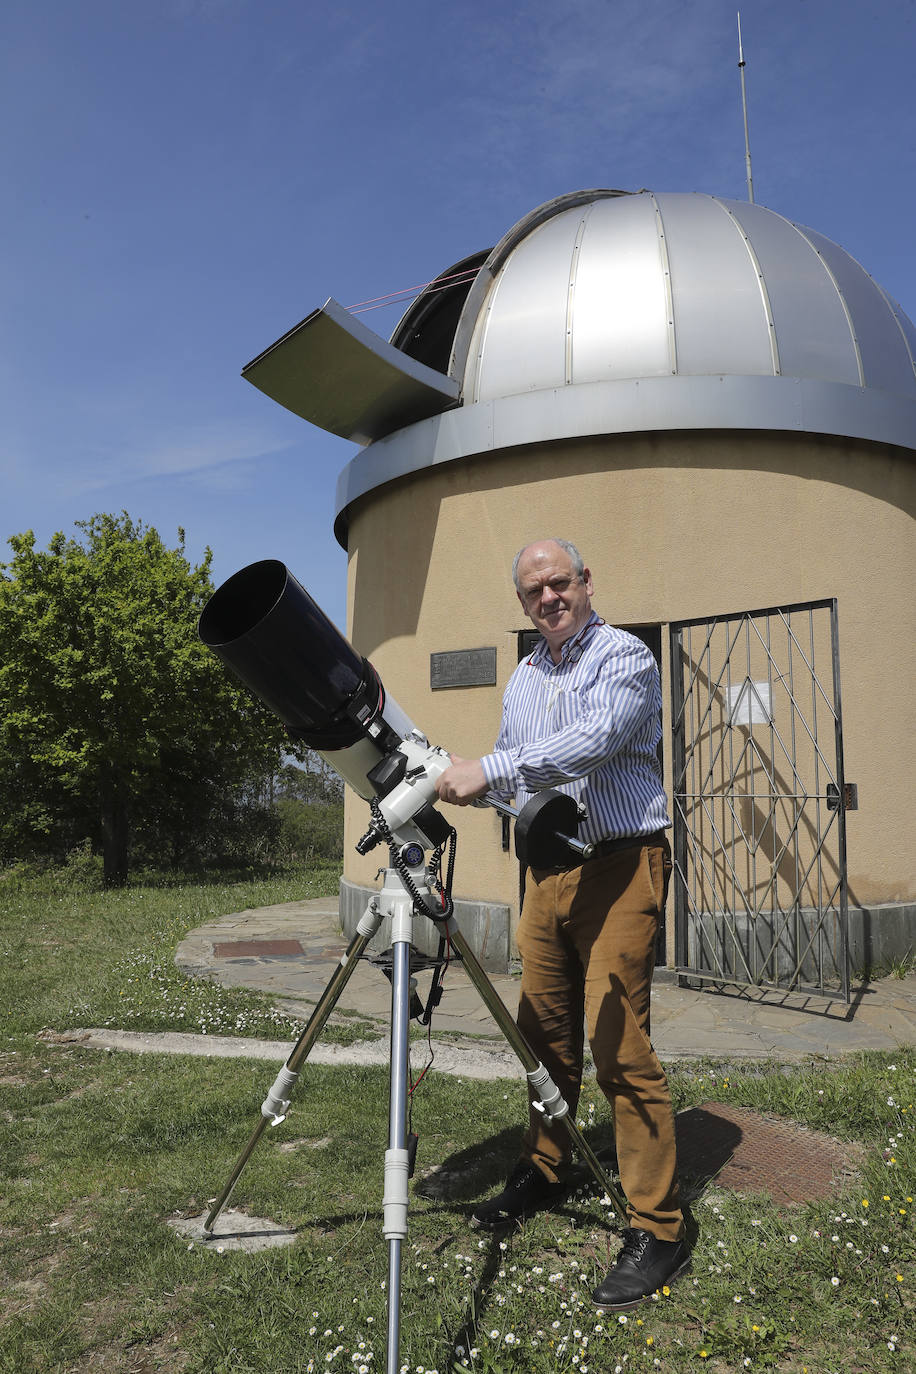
(673, 526)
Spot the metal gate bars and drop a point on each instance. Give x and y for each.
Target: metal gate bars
(759, 800)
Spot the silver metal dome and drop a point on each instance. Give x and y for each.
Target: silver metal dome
(635, 286)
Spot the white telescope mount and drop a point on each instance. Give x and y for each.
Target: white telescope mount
(411, 887)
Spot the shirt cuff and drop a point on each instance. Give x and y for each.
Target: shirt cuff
(500, 772)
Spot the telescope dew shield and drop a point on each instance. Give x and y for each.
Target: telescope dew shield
(265, 627)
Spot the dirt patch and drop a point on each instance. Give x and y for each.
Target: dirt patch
(159, 1357)
(232, 1230)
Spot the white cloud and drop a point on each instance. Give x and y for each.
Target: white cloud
(219, 454)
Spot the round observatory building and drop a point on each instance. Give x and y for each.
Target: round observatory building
(718, 407)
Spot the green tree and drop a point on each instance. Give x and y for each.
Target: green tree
(115, 720)
(308, 803)
(312, 780)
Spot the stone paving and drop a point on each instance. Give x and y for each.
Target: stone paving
(290, 952)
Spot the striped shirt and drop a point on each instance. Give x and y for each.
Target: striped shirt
(588, 726)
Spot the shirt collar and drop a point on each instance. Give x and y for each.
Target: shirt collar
(571, 650)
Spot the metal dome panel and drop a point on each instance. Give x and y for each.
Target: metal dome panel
(721, 314)
(811, 327)
(905, 325)
(886, 362)
(520, 340)
(620, 317)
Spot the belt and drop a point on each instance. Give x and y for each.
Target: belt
(604, 847)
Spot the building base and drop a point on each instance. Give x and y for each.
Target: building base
(750, 951)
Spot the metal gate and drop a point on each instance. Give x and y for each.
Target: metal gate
(759, 797)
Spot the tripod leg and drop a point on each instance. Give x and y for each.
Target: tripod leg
(396, 1159)
(275, 1104)
(548, 1093)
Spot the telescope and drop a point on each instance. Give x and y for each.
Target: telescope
(264, 625)
(267, 629)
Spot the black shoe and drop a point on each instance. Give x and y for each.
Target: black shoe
(643, 1265)
(527, 1191)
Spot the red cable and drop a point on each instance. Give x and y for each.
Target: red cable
(437, 284)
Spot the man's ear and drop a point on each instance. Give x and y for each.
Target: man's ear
(587, 581)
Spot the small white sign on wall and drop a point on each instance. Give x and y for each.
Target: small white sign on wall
(749, 703)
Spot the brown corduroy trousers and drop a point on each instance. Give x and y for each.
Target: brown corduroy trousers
(587, 941)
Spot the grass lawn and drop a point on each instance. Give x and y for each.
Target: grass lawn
(99, 1150)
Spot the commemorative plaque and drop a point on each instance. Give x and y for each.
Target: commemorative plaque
(463, 668)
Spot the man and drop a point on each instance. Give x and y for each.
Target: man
(582, 714)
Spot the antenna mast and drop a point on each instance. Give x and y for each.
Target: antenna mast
(747, 144)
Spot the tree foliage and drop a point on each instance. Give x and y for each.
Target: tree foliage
(310, 810)
(116, 723)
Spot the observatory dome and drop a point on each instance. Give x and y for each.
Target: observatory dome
(656, 285)
(608, 312)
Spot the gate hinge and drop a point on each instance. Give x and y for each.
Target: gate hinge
(850, 796)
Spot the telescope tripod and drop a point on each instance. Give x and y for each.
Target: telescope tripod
(400, 903)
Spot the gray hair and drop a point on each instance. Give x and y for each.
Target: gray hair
(578, 562)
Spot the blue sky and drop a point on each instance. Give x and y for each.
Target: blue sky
(186, 179)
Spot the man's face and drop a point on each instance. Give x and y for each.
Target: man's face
(556, 601)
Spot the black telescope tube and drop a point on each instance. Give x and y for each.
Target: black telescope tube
(265, 627)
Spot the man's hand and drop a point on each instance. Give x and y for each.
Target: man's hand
(463, 782)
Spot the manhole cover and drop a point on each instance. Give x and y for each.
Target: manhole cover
(750, 1153)
(256, 949)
